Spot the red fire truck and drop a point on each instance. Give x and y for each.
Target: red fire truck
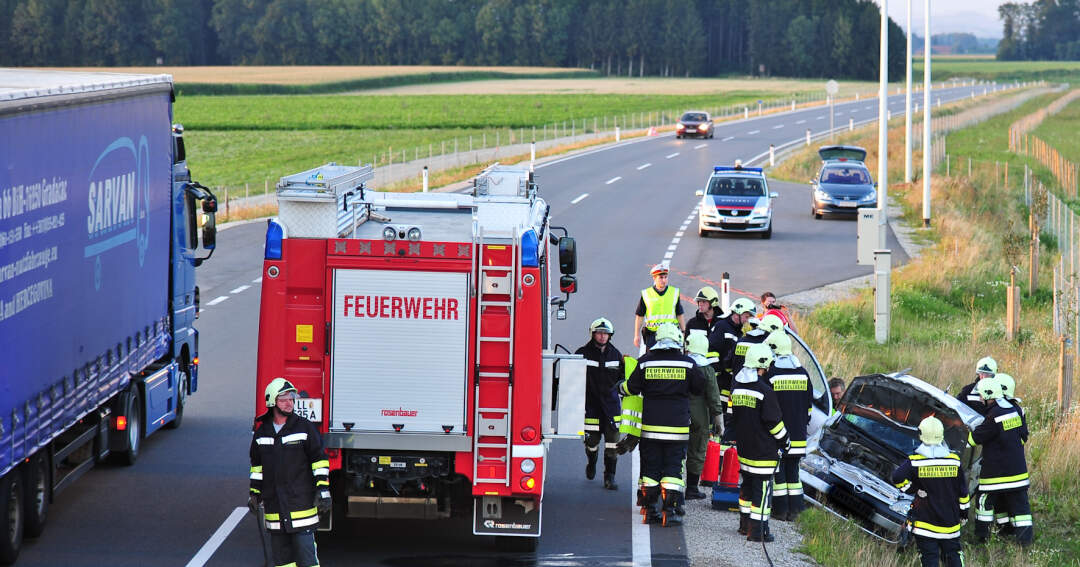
(416, 328)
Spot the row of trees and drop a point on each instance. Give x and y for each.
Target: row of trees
(810, 38)
(1042, 29)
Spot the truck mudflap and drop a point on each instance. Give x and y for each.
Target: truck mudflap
(499, 516)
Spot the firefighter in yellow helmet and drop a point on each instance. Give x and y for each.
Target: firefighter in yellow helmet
(290, 475)
(658, 304)
(603, 411)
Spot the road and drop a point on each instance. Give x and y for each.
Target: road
(628, 206)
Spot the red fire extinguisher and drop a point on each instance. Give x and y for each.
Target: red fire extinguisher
(711, 470)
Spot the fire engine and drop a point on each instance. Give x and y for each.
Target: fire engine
(417, 330)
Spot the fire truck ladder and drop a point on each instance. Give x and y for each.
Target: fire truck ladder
(494, 334)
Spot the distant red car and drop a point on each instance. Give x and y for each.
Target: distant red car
(694, 123)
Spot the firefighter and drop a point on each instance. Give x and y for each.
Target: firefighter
(755, 335)
(934, 475)
(985, 368)
(665, 378)
(791, 382)
(1003, 479)
(761, 438)
(705, 411)
(741, 311)
(708, 318)
(603, 410)
(290, 476)
(658, 304)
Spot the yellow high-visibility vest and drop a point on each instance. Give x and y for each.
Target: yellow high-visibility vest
(659, 308)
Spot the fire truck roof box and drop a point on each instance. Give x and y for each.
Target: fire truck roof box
(312, 203)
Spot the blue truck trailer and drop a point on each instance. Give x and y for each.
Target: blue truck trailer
(101, 229)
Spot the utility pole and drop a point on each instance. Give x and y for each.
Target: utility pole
(882, 255)
(907, 104)
(926, 117)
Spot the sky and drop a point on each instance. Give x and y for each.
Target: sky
(974, 16)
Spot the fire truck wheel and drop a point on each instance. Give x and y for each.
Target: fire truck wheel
(181, 399)
(37, 495)
(11, 516)
(517, 544)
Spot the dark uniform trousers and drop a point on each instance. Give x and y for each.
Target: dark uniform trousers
(294, 548)
(754, 496)
(788, 493)
(663, 461)
(933, 550)
(609, 432)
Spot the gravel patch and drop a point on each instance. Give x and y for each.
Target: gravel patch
(711, 540)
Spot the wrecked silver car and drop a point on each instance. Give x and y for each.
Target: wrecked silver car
(875, 427)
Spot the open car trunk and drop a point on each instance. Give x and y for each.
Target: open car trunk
(842, 152)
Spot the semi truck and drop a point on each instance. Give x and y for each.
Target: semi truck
(101, 229)
(417, 331)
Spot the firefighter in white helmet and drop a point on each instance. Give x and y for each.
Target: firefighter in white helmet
(603, 411)
(658, 304)
(934, 475)
(753, 336)
(791, 382)
(290, 475)
(986, 368)
(665, 378)
(706, 411)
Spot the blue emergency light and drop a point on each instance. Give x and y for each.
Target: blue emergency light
(720, 168)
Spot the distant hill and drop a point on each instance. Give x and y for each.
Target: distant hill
(957, 44)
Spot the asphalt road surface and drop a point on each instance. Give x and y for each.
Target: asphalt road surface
(627, 205)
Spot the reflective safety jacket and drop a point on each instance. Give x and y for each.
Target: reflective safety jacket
(659, 308)
(603, 372)
(727, 337)
(1002, 434)
(631, 405)
(935, 477)
(969, 397)
(665, 378)
(791, 383)
(287, 468)
(758, 422)
(754, 336)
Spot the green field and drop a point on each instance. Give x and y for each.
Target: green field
(238, 140)
(993, 70)
(1060, 131)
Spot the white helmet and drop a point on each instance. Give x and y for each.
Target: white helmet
(931, 431)
(771, 323)
(986, 365)
(989, 389)
(758, 356)
(779, 342)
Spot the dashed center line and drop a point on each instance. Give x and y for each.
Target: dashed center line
(821, 118)
(217, 300)
(728, 138)
(257, 280)
(643, 166)
(579, 199)
(752, 132)
(669, 156)
(778, 126)
(240, 289)
(699, 146)
(612, 180)
(801, 122)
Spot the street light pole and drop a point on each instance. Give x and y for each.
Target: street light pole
(926, 116)
(907, 104)
(883, 122)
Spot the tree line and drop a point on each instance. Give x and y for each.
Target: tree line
(804, 38)
(1040, 30)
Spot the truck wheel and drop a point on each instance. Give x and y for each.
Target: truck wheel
(517, 544)
(11, 516)
(181, 400)
(37, 495)
(130, 440)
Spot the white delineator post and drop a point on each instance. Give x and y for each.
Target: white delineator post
(425, 179)
(532, 156)
(926, 120)
(725, 292)
(907, 103)
(882, 295)
(772, 155)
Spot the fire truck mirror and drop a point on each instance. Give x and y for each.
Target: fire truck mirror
(568, 284)
(567, 255)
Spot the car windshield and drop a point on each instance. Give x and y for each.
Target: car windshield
(693, 117)
(882, 431)
(845, 176)
(890, 414)
(736, 187)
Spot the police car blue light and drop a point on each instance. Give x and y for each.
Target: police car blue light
(736, 199)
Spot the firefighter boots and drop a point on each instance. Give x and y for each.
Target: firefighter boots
(590, 467)
(693, 493)
(759, 531)
(609, 473)
(649, 513)
(673, 512)
(744, 523)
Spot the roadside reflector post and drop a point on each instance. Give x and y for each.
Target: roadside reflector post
(882, 294)
(725, 292)
(616, 133)
(425, 179)
(793, 105)
(772, 155)
(808, 136)
(850, 124)
(532, 156)
(759, 103)
(745, 113)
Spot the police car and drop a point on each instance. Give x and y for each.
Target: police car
(736, 199)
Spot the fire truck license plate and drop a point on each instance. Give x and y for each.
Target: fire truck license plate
(311, 408)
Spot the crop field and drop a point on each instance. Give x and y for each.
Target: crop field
(311, 74)
(628, 85)
(1060, 130)
(993, 70)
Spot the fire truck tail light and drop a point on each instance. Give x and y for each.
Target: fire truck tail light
(528, 433)
(528, 482)
(528, 466)
(530, 249)
(274, 235)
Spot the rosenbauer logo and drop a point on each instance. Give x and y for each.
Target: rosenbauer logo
(400, 307)
(399, 412)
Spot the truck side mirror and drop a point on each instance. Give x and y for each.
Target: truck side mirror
(209, 232)
(567, 255)
(568, 284)
(209, 205)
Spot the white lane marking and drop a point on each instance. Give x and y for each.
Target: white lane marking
(240, 289)
(821, 118)
(669, 156)
(869, 107)
(680, 233)
(841, 112)
(699, 146)
(639, 533)
(752, 132)
(217, 300)
(612, 180)
(728, 138)
(673, 247)
(257, 280)
(800, 122)
(643, 166)
(778, 126)
(678, 237)
(669, 255)
(223, 531)
(579, 199)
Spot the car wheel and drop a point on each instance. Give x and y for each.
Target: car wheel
(817, 215)
(678, 137)
(768, 233)
(702, 232)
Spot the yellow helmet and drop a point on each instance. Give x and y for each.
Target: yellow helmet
(779, 342)
(709, 294)
(602, 325)
(931, 431)
(275, 388)
(758, 356)
(771, 323)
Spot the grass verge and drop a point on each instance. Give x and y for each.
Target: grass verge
(945, 68)
(949, 310)
(1060, 130)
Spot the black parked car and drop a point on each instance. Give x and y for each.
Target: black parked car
(694, 123)
(843, 183)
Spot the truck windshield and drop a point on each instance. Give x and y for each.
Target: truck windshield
(736, 187)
